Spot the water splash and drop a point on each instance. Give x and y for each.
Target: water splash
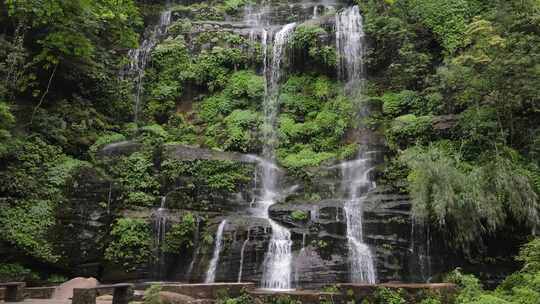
(211, 273)
(278, 260)
(139, 57)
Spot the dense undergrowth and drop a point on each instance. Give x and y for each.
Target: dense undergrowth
(454, 86)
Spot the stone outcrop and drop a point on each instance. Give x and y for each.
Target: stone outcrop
(65, 290)
(121, 148)
(84, 221)
(187, 153)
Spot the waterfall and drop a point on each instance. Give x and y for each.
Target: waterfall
(420, 249)
(356, 174)
(277, 266)
(139, 57)
(242, 257)
(211, 273)
(357, 183)
(160, 228)
(278, 259)
(350, 46)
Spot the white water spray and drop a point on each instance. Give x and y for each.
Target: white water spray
(350, 46)
(211, 273)
(357, 183)
(356, 174)
(277, 266)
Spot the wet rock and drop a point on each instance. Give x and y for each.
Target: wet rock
(83, 222)
(185, 153)
(444, 122)
(122, 148)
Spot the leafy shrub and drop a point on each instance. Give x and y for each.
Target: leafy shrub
(232, 6)
(131, 242)
(17, 273)
(388, 296)
(409, 129)
(26, 226)
(226, 176)
(459, 197)
(299, 215)
(136, 173)
(245, 84)
(241, 128)
(180, 235)
(56, 279)
(446, 18)
(396, 104)
(151, 295)
(308, 37)
(223, 298)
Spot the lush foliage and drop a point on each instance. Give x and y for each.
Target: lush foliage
(16, 272)
(181, 235)
(468, 200)
(151, 295)
(458, 122)
(313, 122)
(131, 243)
(520, 287)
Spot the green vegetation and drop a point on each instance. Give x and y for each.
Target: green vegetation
(520, 287)
(135, 173)
(313, 122)
(16, 273)
(307, 40)
(389, 296)
(299, 215)
(131, 243)
(453, 89)
(181, 235)
(457, 124)
(151, 295)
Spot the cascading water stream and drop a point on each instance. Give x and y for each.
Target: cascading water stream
(139, 57)
(242, 251)
(211, 273)
(277, 266)
(160, 228)
(356, 178)
(357, 182)
(350, 46)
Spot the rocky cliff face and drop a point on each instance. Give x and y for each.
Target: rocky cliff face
(198, 181)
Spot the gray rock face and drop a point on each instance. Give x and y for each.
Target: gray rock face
(121, 148)
(187, 153)
(84, 221)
